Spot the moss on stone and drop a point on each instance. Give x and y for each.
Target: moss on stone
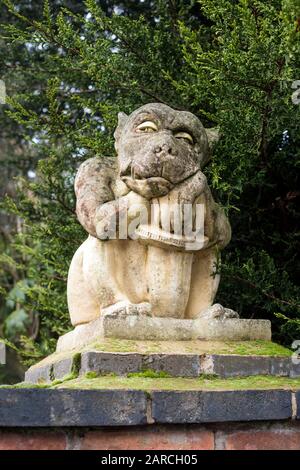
(245, 348)
(25, 385)
(91, 374)
(71, 376)
(114, 345)
(178, 383)
(149, 373)
(76, 363)
(54, 357)
(258, 348)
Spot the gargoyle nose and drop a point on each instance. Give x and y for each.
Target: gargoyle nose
(166, 148)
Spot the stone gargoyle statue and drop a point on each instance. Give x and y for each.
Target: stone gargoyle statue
(158, 272)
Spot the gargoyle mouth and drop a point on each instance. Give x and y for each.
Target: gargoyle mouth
(150, 180)
(155, 186)
(131, 171)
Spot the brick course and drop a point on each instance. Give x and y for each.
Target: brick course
(229, 436)
(33, 440)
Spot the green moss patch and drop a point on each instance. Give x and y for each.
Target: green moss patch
(25, 385)
(149, 373)
(168, 383)
(245, 348)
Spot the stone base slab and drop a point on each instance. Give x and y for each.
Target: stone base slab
(175, 365)
(141, 327)
(86, 408)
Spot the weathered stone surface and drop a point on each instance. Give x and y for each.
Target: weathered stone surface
(232, 365)
(281, 366)
(176, 365)
(48, 370)
(141, 327)
(62, 368)
(42, 407)
(120, 363)
(236, 365)
(39, 374)
(87, 408)
(81, 336)
(220, 406)
(294, 369)
(232, 329)
(147, 328)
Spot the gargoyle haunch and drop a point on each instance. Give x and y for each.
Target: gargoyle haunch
(161, 152)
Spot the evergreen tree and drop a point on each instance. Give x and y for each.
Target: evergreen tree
(230, 62)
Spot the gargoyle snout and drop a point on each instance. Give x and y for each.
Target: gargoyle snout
(165, 148)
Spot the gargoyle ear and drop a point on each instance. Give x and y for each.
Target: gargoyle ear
(213, 135)
(122, 118)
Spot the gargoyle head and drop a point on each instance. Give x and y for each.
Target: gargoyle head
(159, 147)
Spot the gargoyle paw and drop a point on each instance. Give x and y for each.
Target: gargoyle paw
(218, 312)
(125, 308)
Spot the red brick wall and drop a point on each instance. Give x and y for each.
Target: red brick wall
(278, 435)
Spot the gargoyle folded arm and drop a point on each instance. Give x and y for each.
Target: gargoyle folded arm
(94, 186)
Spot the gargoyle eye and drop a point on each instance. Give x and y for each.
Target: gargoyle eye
(147, 126)
(184, 135)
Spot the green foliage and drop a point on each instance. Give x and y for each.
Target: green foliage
(232, 63)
